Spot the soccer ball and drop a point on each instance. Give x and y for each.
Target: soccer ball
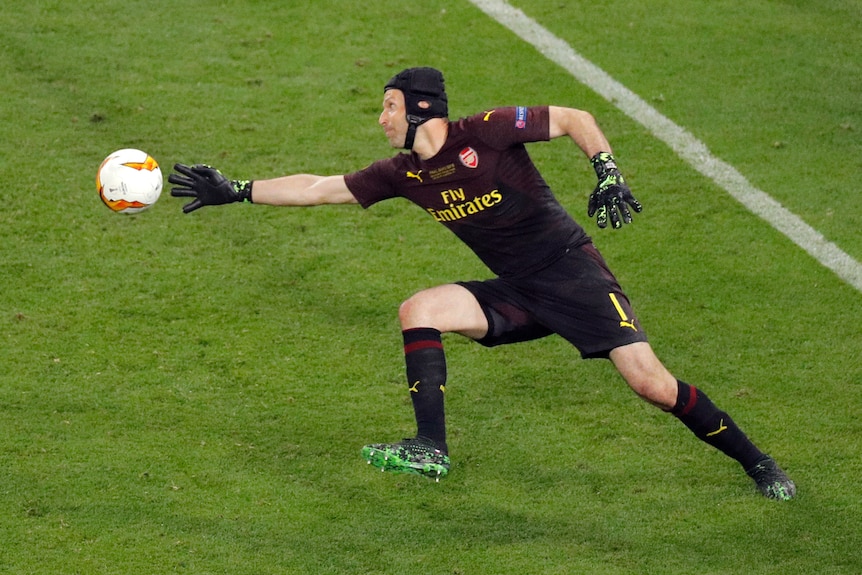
(129, 181)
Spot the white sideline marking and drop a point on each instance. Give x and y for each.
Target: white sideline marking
(681, 141)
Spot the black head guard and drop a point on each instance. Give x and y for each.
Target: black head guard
(420, 85)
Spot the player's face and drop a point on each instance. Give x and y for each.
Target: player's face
(393, 119)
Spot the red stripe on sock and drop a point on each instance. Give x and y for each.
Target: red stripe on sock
(692, 400)
(424, 344)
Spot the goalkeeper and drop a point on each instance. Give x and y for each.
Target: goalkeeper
(475, 177)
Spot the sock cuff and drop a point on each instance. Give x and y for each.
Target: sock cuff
(421, 338)
(686, 399)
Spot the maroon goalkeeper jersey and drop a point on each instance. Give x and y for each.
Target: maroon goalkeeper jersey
(483, 186)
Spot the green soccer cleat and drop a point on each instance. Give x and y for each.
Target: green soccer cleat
(771, 480)
(414, 455)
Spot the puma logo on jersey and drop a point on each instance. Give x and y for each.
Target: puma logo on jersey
(417, 175)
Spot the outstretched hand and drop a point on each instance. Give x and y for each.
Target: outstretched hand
(207, 186)
(612, 197)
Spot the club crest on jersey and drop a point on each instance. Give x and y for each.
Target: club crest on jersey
(469, 157)
(521, 117)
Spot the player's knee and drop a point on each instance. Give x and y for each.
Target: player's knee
(404, 311)
(658, 391)
(412, 311)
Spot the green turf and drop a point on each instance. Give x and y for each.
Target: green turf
(189, 393)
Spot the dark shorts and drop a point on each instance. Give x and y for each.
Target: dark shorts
(576, 297)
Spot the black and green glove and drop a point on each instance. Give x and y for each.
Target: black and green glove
(207, 186)
(612, 197)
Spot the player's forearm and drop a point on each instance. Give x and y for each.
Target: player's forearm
(301, 190)
(581, 127)
(284, 191)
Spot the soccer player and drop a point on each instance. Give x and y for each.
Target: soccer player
(475, 177)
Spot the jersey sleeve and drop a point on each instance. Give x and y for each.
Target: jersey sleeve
(502, 128)
(372, 184)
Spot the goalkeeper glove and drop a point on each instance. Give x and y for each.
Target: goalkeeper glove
(207, 186)
(612, 196)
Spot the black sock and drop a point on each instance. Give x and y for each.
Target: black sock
(714, 426)
(426, 378)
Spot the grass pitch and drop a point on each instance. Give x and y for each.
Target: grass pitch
(188, 394)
